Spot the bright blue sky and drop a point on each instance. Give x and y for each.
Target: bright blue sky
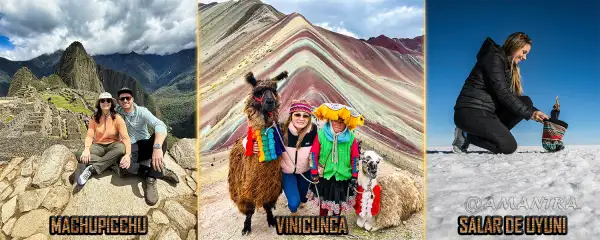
(564, 61)
(5, 43)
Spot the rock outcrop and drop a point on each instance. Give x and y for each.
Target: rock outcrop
(27, 202)
(22, 78)
(25, 78)
(78, 70)
(50, 169)
(183, 151)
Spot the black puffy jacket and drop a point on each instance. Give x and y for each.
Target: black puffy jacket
(488, 84)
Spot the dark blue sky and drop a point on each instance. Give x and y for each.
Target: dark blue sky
(564, 61)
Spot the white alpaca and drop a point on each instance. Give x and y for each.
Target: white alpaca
(391, 199)
(369, 192)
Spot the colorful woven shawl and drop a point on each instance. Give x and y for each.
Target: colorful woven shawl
(269, 144)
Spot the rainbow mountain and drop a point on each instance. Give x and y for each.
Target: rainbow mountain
(382, 83)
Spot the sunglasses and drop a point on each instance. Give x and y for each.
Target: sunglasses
(301, 115)
(105, 100)
(123, 99)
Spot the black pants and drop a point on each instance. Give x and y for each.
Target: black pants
(489, 130)
(141, 158)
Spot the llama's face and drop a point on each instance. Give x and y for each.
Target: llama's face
(264, 93)
(370, 162)
(265, 98)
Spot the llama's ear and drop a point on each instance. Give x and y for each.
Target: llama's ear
(282, 75)
(250, 79)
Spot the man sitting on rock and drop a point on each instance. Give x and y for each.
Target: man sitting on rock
(146, 151)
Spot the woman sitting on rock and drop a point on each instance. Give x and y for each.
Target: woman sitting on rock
(106, 142)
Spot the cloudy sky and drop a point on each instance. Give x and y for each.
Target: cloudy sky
(359, 18)
(29, 28)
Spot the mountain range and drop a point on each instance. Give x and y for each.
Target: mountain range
(382, 77)
(157, 80)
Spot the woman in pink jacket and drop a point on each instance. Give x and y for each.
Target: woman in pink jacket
(298, 140)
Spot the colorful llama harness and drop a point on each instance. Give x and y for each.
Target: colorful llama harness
(269, 145)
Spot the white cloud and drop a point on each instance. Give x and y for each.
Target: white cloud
(338, 29)
(103, 27)
(211, 1)
(364, 18)
(398, 14)
(347, 2)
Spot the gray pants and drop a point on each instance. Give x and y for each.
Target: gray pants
(102, 156)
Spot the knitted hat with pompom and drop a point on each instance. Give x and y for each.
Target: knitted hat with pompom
(300, 106)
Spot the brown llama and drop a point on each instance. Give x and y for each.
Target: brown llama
(253, 183)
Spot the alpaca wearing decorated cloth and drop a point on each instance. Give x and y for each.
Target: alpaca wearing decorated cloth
(384, 200)
(368, 198)
(334, 159)
(255, 179)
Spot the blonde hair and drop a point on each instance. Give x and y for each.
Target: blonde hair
(301, 132)
(513, 43)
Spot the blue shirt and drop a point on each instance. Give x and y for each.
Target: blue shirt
(137, 123)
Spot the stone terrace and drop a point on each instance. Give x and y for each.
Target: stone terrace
(30, 125)
(27, 92)
(89, 98)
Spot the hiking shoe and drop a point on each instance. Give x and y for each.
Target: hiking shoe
(85, 175)
(151, 191)
(460, 143)
(170, 176)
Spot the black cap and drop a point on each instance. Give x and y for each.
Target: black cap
(124, 90)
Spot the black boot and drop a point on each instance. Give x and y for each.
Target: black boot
(170, 176)
(151, 192)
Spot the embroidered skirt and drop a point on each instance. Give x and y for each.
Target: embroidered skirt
(333, 195)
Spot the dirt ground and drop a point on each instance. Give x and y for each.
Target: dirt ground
(218, 218)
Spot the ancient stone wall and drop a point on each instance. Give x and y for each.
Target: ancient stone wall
(37, 125)
(47, 121)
